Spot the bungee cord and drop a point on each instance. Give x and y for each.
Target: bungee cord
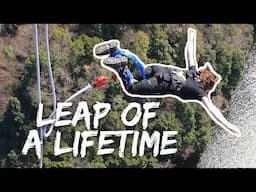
(38, 89)
(43, 129)
(97, 83)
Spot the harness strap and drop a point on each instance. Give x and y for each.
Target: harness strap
(173, 80)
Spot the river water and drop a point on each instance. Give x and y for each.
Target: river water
(224, 150)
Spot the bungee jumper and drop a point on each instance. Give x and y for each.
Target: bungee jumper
(188, 84)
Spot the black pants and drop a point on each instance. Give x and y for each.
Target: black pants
(154, 84)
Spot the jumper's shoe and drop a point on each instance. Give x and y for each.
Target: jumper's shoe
(105, 49)
(115, 61)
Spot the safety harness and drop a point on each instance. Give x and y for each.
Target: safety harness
(176, 80)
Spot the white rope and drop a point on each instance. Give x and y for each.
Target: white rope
(38, 89)
(51, 78)
(50, 68)
(88, 87)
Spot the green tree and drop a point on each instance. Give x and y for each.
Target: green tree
(208, 55)
(60, 47)
(146, 161)
(118, 103)
(203, 125)
(92, 29)
(113, 89)
(230, 29)
(218, 32)
(84, 45)
(14, 127)
(107, 31)
(223, 63)
(95, 164)
(112, 122)
(238, 61)
(114, 31)
(82, 51)
(167, 121)
(141, 45)
(14, 130)
(12, 160)
(137, 42)
(159, 47)
(9, 53)
(60, 161)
